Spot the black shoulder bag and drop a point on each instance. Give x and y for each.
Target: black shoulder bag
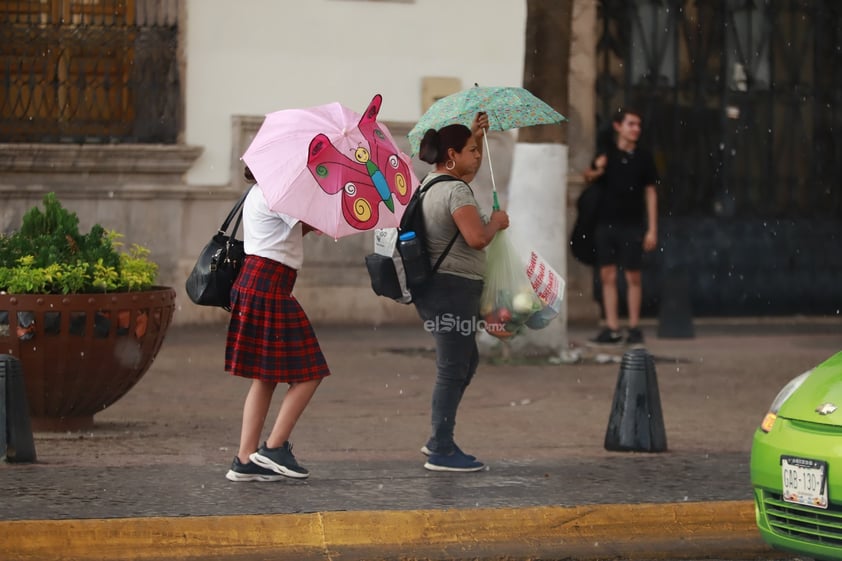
(214, 273)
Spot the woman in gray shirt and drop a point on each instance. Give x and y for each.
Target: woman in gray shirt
(449, 303)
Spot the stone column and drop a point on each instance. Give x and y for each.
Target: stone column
(581, 135)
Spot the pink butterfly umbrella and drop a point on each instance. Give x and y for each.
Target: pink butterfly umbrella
(332, 168)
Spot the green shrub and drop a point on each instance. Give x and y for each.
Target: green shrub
(48, 254)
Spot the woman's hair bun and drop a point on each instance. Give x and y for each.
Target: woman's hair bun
(429, 150)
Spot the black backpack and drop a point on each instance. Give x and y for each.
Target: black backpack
(388, 273)
(582, 236)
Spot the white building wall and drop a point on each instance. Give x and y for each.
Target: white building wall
(251, 57)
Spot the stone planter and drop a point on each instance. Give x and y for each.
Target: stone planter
(80, 353)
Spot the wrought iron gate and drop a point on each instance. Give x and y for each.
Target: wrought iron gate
(89, 71)
(741, 106)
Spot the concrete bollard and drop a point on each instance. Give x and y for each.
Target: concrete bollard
(636, 422)
(17, 442)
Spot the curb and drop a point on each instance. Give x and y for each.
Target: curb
(720, 529)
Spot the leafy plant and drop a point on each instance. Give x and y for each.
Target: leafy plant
(137, 272)
(48, 254)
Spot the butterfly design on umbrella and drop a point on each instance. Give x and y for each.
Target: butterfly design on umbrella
(376, 174)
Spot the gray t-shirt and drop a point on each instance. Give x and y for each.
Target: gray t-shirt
(439, 204)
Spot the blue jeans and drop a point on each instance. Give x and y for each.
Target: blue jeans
(449, 306)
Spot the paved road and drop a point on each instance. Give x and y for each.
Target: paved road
(163, 449)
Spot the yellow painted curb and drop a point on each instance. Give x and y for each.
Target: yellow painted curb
(643, 531)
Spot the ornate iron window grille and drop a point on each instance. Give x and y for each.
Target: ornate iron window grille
(89, 71)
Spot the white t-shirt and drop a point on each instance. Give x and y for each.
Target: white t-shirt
(271, 234)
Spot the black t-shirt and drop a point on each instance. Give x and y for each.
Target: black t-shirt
(623, 186)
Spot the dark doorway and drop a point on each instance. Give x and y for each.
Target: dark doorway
(741, 104)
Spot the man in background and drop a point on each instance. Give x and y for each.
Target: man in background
(627, 223)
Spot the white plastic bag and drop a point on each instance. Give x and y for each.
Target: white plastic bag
(508, 299)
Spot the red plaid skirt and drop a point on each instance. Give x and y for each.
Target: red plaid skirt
(269, 335)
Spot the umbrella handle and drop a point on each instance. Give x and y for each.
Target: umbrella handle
(496, 205)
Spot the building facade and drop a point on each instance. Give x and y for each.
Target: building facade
(135, 112)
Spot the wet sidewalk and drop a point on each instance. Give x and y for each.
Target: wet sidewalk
(152, 469)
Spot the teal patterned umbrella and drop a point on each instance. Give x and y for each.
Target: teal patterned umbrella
(506, 107)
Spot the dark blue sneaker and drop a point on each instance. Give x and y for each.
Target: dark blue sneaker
(250, 472)
(280, 460)
(427, 452)
(457, 461)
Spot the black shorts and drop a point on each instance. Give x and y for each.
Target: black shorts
(620, 244)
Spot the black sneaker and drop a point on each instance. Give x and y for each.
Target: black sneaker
(457, 461)
(427, 452)
(280, 460)
(250, 472)
(634, 336)
(608, 337)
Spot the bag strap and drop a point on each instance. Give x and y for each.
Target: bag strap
(445, 252)
(238, 209)
(421, 193)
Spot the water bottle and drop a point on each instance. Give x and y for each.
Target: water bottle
(415, 264)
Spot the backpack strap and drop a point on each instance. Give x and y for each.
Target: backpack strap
(435, 180)
(444, 253)
(423, 190)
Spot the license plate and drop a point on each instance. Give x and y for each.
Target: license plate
(804, 481)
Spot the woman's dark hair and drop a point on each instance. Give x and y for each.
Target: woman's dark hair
(436, 143)
(248, 174)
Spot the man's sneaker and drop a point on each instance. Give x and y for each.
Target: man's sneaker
(427, 452)
(280, 460)
(608, 337)
(634, 336)
(457, 461)
(250, 472)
